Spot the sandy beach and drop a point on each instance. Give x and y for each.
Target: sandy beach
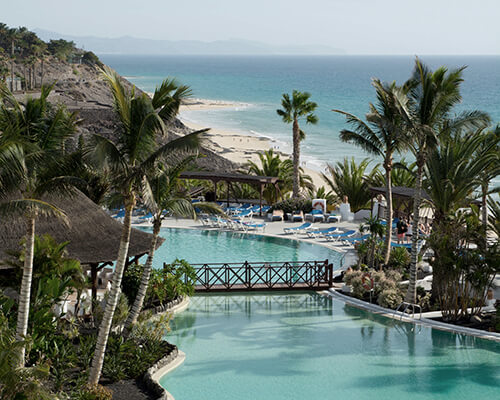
(235, 146)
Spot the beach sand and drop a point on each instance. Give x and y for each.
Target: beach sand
(237, 147)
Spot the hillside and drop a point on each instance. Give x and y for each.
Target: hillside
(77, 84)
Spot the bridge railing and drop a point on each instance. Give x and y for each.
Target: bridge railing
(263, 275)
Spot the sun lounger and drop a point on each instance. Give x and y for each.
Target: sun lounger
(315, 216)
(322, 232)
(254, 226)
(277, 215)
(297, 216)
(336, 237)
(333, 218)
(298, 229)
(353, 240)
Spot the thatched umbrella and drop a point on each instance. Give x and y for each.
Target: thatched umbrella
(93, 236)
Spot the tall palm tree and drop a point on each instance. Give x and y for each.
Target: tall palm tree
(31, 137)
(350, 179)
(426, 103)
(272, 165)
(141, 121)
(296, 108)
(381, 135)
(492, 141)
(454, 168)
(163, 197)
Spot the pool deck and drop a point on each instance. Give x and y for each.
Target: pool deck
(275, 229)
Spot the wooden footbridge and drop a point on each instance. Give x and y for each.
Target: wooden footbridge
(295, 275)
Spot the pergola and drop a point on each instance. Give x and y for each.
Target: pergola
(406, 194)
(403, 193)
(229, 178)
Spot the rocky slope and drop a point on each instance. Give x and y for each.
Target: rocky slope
(81, 88)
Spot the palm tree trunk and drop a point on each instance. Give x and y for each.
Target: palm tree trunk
(105, 327)
(296, 158)
(388, 213)
(484, 211)
(411, 294)
(25, 292)
(143, 287)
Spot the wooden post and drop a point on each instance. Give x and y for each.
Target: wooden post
(371, 206)
(227, 193)
(215, 191)
(330, 273)
(93, 279)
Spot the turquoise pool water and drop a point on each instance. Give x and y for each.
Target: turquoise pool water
(305, 346)
(207, 246)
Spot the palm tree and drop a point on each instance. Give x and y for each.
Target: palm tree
(272, 165)
(381, 135)
(453, 171)
(294, 109)
(350, 179)
(492, 141)
(30, 144)
(163, 197)
(425, 104)
(128, 160)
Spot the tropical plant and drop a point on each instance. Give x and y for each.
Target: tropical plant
(18, 382)
(454, 168)
(32, 136)
(425, 104)
(294, 109)
(164, 198)
(141, 121)
(323, 193)
(377, 230)
(272, 165)
(491, 146)
(461, 271)
(350, 179)
(494, 218)
(382, 135)
(174, 280)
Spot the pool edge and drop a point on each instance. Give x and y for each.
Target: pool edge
(388, 313)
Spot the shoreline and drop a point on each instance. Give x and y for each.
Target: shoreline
(238, 147)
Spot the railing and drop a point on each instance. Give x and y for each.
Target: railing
(263, 276)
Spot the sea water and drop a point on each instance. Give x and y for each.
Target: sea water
(256, 84)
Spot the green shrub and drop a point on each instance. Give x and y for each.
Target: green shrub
(390, 298)
(91, 59)
(97, 392)
(174, 280)
(131, 281)
(399, 258)
(291, 205)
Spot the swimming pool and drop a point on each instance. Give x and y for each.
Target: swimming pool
(306, 346)
(208, 246)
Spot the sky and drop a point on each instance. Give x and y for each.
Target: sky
(356, 26)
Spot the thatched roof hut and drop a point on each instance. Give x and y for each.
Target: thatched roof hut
(93, 235)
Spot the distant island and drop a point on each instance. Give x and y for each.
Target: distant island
(131, 45)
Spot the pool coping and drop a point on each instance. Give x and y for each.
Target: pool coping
(166, 364)
(386, 312)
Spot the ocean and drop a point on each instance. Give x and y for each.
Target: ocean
(256, 84)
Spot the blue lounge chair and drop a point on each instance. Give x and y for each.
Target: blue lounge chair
(297, 216)
(335, 237)
(316, 216)
(254, 226)
(333, 218)
(352, 240)
(322, 232)
(298, 229)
